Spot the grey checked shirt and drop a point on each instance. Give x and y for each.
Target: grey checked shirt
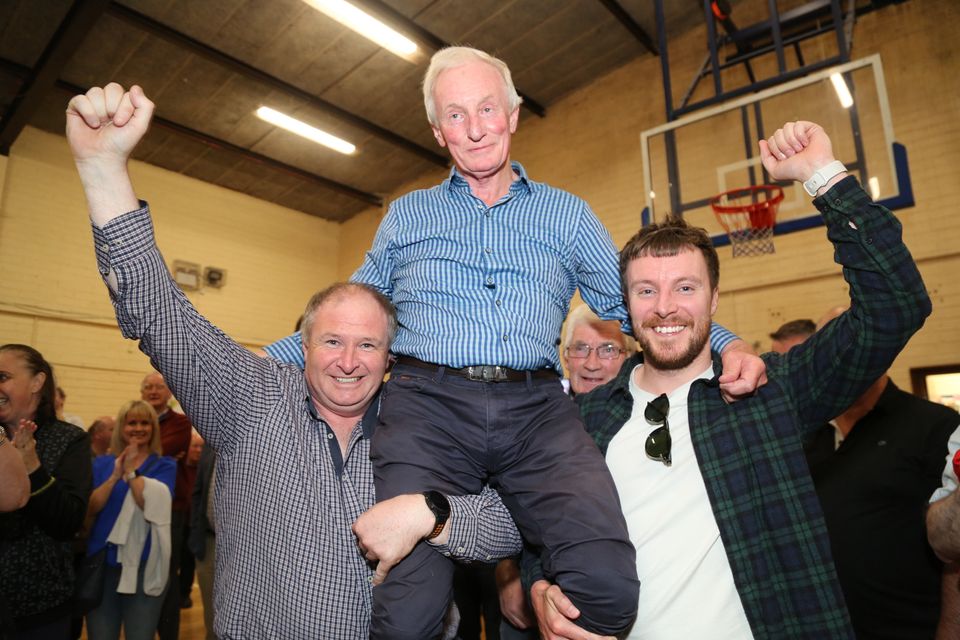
(288, 565)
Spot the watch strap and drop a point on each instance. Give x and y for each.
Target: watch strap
(822, 176)
(440, 507)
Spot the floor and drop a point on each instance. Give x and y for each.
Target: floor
(191, 620)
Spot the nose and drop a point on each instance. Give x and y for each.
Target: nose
(666, 305)
(348, 360)
(593, 361)
(474, 130)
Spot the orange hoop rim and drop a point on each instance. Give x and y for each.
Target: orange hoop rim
(750, 207)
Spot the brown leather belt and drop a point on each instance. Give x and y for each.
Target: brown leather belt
(481, 373)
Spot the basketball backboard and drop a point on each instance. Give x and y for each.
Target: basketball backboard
(690, 160)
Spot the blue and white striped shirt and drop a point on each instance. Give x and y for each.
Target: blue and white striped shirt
(474, 284)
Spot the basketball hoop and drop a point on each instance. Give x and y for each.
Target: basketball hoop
(748, 216)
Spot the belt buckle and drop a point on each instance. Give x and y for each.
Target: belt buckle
(487, 373)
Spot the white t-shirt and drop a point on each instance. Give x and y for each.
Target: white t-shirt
(686, 585)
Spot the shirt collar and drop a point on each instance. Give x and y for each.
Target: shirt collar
(368, 423)
(455, 181)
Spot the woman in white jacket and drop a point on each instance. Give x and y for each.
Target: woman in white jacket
(134, 488)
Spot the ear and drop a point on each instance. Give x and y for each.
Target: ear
(438, 136)
(514, 119)
(714, 301)
(37, 382)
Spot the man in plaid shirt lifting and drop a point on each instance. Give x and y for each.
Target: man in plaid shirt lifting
(730, 538)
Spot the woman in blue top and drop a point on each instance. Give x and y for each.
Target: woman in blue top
(134, 459)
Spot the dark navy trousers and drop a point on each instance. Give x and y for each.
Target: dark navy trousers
(442, 432)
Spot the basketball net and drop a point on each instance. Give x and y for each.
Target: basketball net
(748, 215)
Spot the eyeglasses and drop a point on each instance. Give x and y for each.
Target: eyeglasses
(604, 351)
(658, 442)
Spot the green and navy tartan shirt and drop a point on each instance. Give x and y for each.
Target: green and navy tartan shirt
(750, 452)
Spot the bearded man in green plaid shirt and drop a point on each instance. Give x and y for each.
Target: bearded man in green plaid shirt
(730, 538)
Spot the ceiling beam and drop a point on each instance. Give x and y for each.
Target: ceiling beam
(384, 12)
(14, 69)
(631, 25)
(65, 41)
(161, 30)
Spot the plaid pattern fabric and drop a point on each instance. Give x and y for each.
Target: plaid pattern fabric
(750, 452)
(490, 285)
(287, 562)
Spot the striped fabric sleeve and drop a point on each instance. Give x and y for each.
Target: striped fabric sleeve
(720, 337)
(288, 350)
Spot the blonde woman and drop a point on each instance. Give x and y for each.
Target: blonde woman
(134, 488)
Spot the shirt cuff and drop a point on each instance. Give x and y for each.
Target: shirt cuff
(126, 236)
(462, 537)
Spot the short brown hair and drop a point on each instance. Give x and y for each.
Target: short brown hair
(344, 288)
(668, 238)
(803, 327)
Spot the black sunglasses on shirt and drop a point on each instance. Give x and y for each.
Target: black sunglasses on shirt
(658, 442)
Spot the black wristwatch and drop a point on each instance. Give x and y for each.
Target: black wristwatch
(440, 506)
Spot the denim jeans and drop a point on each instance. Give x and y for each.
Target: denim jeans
(138, 613)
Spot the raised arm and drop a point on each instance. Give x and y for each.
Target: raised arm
(205, 369)
(103, 127)
(889, 302)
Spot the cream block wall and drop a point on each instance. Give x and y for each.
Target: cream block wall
(52, 298)
(589, 144)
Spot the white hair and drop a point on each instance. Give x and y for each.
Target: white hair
(452, 57)
(585, 315)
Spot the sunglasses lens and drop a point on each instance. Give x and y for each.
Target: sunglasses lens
(658, 445)
(657, 409)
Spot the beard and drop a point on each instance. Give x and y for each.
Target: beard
(671, 359)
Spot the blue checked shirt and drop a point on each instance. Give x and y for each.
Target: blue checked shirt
(288, 565)
(750, 452)
(474, 284)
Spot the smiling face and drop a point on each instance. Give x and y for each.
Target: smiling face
(671, 304)
(137, 430)
(586, 374)
(346, 355)
(475, 121)
(19, 389)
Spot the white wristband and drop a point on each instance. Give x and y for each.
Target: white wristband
(822, 176)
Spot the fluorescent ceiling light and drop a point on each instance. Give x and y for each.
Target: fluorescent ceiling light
(366, 25)
(874, 184)
(846, 100)
(303, 129)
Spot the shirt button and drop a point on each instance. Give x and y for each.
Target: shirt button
(488, 250)
(460, 549)
(104, 247)
(505, 337)
(490, 280)
(869, 240)
(838, 202)
(499, 302)
(329, 436)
